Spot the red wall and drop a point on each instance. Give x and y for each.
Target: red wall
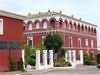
(13, 31)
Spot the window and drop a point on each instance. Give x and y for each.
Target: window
(45, 25)
(1, 26)
(30, 27)
(86, 42)
(70, 41)
(92, 43)
(79, 42)
(30, 41)
(37, 25)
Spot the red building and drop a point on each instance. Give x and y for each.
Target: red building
(76, 33)
(11, 38)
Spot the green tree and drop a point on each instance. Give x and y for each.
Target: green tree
(29, 53)
(53, 41)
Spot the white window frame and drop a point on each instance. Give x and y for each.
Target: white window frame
(1, 27)
(79, 42)
(92, 43)
(86, 42)
(30, 26)
(37, 25)
(44, 25)
(30, 38)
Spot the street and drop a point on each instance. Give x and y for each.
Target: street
(86, 70)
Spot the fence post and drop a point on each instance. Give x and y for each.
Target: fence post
(38, 59)
(23, 58)
(45, 58)
(51, 58)
(81, 57)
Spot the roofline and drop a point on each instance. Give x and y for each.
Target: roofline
(13, 15)
(56, 13)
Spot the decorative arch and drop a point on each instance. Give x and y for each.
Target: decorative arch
(79, 28)
(29, 25)
(82, 28)
(70, 25)
(66, 23)
(74, 25)
(86, 28)
(37, 24)
(95, 30)
(60, 22)
(89, 29)
(92, 29)
(52, 22)
(44, 23)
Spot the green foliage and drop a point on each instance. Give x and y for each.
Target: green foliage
(29, 52)
(32, 61)
(62, 63)
(98, 58)
(53, 41)
(20, 65)
(12, 64)
(61, 52)
(88, 59)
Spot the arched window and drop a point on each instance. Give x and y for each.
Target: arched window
(74, 26)
(82, 28)
(44, 25)
(70, 25)
(66, 23)
(37, 24)
(88, 29)
(79, 27)
(85, 28)
(95, 30)
(30, 25)
(52, 23)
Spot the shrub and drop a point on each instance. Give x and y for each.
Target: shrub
(88, 59)
(62, 63)
(20, 65)
(98, 58)
(32, 61)
(12, 64)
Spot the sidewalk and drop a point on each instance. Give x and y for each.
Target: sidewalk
(33, 71)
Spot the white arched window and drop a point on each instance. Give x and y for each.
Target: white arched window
(44, 25)
(30, 26)
(37, 25)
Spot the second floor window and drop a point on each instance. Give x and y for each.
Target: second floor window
(37, 25)
(45, 25)
(86, 42)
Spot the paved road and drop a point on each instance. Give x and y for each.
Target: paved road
(77, 71)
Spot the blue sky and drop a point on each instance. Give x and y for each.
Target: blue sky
(88, 10)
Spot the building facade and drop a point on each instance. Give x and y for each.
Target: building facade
(15, 30)
(76, 33)
(11, 38)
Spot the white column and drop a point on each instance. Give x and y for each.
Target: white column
(66, 56)
(74, 57)
(70, 56)
(45, 58)
(23, 58)
(51, 58)
(81, 57)
(38, 59)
